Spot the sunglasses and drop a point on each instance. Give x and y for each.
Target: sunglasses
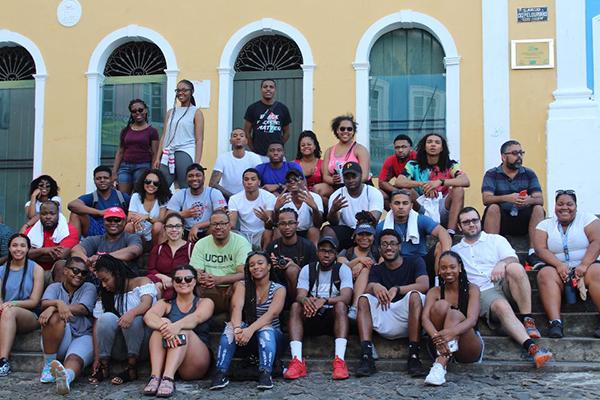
(467, 222)
(561, 192)
(180, 279)
(346, 129)
(293, 179)
(113, 220)
(78, 271)
(137, 110)
(182, 90)
(151, 182)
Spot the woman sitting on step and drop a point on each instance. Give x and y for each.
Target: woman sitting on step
(22, 284)
(450, 318)
(255, 308)
(119, 330)
(180, 340)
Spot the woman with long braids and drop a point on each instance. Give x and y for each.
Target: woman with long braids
(180, 340)
(22, 286)
(138, 146)
(255, 308)
(450, 318)
(119, 327)
(183, 136)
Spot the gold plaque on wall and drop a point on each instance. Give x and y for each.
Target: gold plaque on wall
(532, 54)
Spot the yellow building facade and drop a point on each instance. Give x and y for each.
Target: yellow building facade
(486, 102)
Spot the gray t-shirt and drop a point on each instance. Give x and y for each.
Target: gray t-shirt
(85, 295)
(101, 245)
(209, 200)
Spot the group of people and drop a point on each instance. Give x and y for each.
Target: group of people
(275, 243)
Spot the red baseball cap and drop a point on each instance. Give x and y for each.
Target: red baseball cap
(114, 212)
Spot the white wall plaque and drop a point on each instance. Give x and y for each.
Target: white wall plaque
(202, 93)
(68, 13)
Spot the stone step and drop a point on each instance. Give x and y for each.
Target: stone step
(577, 324)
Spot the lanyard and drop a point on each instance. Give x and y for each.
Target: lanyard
(565, 240)
(317, 280)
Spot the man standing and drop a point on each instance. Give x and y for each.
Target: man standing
(393, 303)
(196, 204)
(393, 166)
(228, 169)
(513, 198)
(349, 200)
(87, 212)
(267, 120)
(323, 295)
(493, 265)
(273, 173)
(220, 259)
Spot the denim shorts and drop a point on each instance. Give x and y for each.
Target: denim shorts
(131, 172)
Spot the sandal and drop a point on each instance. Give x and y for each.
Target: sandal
(128, 375)
(99, 374)
(152, 386)
(166, 388)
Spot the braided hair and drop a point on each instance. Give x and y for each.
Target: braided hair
(192, 102)
(249, 309)
(463, 282)
(122, 273)
(10, 259)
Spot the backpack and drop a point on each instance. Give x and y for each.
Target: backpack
(313, 272)
(119, 196)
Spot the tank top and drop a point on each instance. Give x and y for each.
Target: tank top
(14, 281)
(182, 138)
(202, 330)
(261, 309)
(336, 163)
(315, 178)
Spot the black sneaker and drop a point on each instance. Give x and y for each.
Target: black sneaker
(366, 366)
(415, 367)
(597, 333)
(556, 330)
(264, 380)
(535, 262)
(219, 381)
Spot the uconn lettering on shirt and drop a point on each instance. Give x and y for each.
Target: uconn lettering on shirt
(218, 258)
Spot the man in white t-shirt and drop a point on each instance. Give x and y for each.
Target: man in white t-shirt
(323, 294)
(196, 203)
(228, 169)
(349, 200)
(492, 264)
(252, 207)
(308, 205)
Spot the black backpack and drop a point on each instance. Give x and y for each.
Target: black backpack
(313, 272)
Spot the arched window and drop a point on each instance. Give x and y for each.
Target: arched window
(407, 90)
(133, 70)
(17, 99)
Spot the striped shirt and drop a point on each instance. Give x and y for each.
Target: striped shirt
(261, 309)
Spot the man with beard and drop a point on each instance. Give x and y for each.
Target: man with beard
(513, 198)
(273, 173)
(393, 166)
(267, 120)
(195, 204)
(228, 169)
(323, 294)
(290, 252)
(349, 200)
(51, 239)
(87, 212)
(493, 265)
(393, 303)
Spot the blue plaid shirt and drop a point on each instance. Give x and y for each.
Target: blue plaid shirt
(497, 182)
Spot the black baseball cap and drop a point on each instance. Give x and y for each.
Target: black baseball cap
(329, 239)
(353, 167)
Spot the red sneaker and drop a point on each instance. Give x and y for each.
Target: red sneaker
(296, 369)
(340, 370)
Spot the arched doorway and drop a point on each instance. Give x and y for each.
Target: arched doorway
(407, 89)
(133, 70)
(276, 57)
(17, 125)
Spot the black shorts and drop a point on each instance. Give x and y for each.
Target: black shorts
(514, 226)
(320, 324)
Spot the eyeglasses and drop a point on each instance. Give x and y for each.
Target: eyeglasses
(78, 271)
(346, 129)
(113, 220)
(569, 192)
(151, 182)
(293, 179)
(467, 222)
(176, 226)
(137, 110)
(385, 245)
(219, 224)
(182, 90)
(180, 279)
(290, 223)
(516, 153)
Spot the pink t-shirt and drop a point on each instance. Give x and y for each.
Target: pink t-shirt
(137, 144)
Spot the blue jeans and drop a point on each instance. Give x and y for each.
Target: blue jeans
(267, 340)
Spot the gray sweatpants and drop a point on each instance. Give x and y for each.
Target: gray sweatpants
(117, 343)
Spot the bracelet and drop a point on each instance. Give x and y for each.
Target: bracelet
(302, 300)
(14, 303)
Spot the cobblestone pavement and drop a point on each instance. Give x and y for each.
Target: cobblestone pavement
(383, 385)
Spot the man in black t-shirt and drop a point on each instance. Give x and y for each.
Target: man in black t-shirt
(393, 303)
(290, 252)
(266, 120)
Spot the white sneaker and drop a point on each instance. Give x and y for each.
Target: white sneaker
(352, 313)
(374, 353)
(437, 375)
(59, 373)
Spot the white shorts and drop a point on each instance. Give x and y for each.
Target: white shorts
(393, 322)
